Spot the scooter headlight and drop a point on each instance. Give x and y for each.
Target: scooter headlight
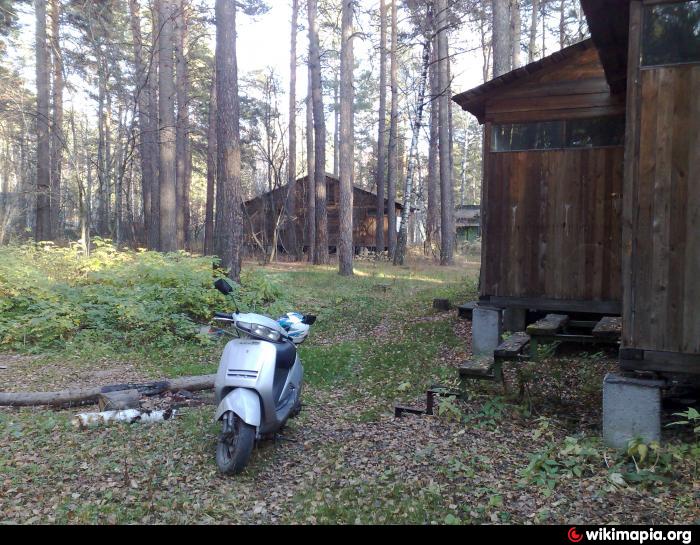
(265, 333)
(259, 331)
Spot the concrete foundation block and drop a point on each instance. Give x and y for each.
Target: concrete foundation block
(486, 330)
(514, 319)
(631, 409)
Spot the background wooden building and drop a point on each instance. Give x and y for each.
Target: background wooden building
(653, 49)
(468, 222)
(262, 214)
(552, 189)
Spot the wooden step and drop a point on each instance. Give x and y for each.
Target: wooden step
(466, 310)
(549, 325)
(512, 347)
(609, 327)
(481, 368)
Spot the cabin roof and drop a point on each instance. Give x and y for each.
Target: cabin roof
(474, 100)
(333, 178)
(608, 21)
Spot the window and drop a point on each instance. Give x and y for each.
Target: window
(527, 136)
(591, 132)
(595, 132)
(671, 33)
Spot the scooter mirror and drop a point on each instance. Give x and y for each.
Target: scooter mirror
(309, 319)
(223, 286)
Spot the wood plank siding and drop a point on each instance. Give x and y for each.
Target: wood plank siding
(261, 214)
(554, 224)
(551, 217)
(664, 266)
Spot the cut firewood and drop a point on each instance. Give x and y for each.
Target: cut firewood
(130, 416)
(87, 396)
(119, 401)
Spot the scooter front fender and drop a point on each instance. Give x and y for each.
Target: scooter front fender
(245, 403)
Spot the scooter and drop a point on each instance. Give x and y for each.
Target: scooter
(259, 381)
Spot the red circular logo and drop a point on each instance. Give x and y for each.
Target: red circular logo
(574, 536)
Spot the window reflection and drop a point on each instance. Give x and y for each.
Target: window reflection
(671, 33)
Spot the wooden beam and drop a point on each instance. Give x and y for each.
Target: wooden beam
(558, 305)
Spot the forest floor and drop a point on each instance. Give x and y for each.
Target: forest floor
(492, 459)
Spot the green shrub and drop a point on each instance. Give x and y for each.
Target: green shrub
(49, 295)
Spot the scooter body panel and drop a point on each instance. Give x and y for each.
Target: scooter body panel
(248, 365)
(243, 402)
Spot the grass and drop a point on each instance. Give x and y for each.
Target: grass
(377, 341)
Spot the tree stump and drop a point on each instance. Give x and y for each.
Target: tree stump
(441, 304)
(118, 401)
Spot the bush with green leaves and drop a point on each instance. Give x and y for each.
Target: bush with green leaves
(49, 295)
(575, 458)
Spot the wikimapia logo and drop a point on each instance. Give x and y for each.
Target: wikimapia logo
(636, 536)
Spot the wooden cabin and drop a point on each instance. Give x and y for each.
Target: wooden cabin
(468, 222)
(262, 213)
(651, 48)
(552, 189)
(577, 217)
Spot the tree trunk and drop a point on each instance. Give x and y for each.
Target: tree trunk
(42, 230)
(228, 139)
(381, 136)
(562, 24)
(515, 32)
(321, 254)
(168, 133)
(211, 170)
(532, 47)
(292, 164)
(311, 174)
(446, 188)
(182, 144)
(155, 136)
(433, 213)
(345, 206)
(336, 125)
(146, 136)
(501, 33)
(408, 186)
(57, 128)
(393, 135)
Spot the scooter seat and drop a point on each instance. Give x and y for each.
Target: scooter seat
(286, 355)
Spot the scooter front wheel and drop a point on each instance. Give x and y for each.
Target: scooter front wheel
(235, 445)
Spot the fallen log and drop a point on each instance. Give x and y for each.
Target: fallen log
(119, 401)
(89, 396)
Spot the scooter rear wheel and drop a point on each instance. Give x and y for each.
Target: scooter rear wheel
(235, 445)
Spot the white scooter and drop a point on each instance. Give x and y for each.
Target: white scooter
(258, 385)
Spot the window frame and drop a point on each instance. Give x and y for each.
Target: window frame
(646, 6)
(563, 128)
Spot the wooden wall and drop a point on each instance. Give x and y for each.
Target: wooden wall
(552, 224)
(260, 219)
(552, 218)
(662, 213)
(575, 88)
